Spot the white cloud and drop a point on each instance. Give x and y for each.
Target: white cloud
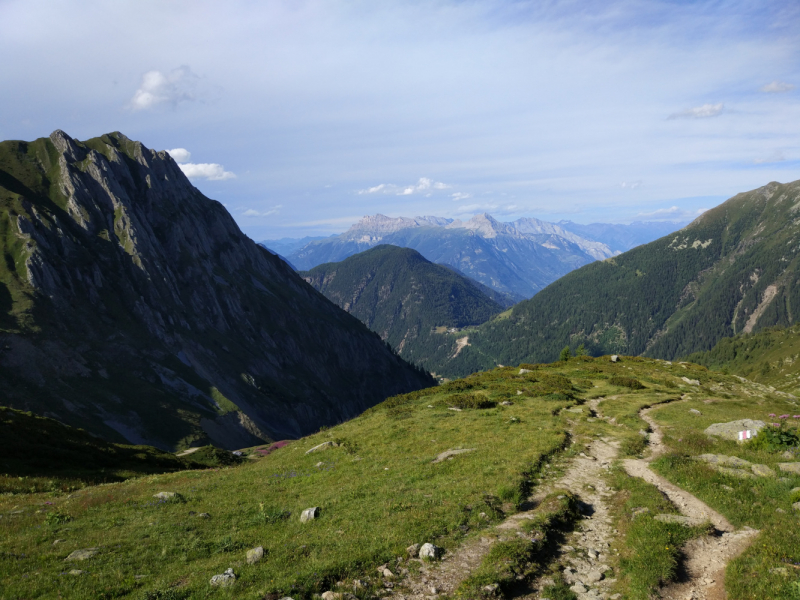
(776, 156)
(158, 88)
(423, 185)
(699, 112)
(210, 171)
(181, 155)
(631, 185)
(671, 214)
(460, 196)
(776, 87)
(472, 208)
(251, 212)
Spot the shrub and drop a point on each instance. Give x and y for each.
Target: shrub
(628, 382)
(57, 518)
(469, 401)
(565, 354)
(774, 439)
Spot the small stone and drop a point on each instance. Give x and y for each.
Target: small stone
(329, 595)
(322, 446)
(430, 552)
(779, 571)
(434, 590)
(358, 584)
(787, 454)
(204, 516)
(506, 403)
(592, 554)
(491, 588)
(387, 573)
(780, 510)
(164, 495)
(523, 371)
(690, 381)
(58, 542)
(309, 514)
(84, 554)
(579, 588)
(519, 392)
(614, 358)
(413, 550)
(76, 572)
(796, 506)
(680, 520)
(694, 411)
(255, 555)
(450, 453)
(224, 580)
(594, 576)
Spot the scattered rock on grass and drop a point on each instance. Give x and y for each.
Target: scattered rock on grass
(796, 506)
(430, 552)
(690, 381)
(413, 550)
(730, 430)
(614, 358)
(84, 554)
(255, 555)
(506, 403)
(224, 580)
(451, 453)
(204, 516)
(724, 460)
(76, 572)
(762, 470)
(322, 446)
(523, 371)
(694, 411)
(309, 514)
(164, 495)
(329, 595)
(792, 467)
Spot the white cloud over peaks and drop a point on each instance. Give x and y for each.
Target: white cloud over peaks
(158, 88)
(424, 184)
(210, 171)
(250, 212)
(699, 112)
(180, 155)
(671, 213)
(776, 87)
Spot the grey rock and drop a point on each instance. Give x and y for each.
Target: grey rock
(762, 470)
(594, 576)
(523, 371)
(76, 572)
(309, 514)
(796, 506)
(787, 454)
(724, 460)
(506, 403)
(84, 554)
(690, 381)
(614, 358)
(329, 595)
(731, 429)
(694, 411)
(680, 520)
(430, 552)
(204, 516)
(779, 571)
(255, 555)
(780, 510)
(413, 550)
(450, 453)
(322, 446)
(58, 542)
(223, 580)
(579, 588)
(792, 467)
(740, 473)
(491, 589)
(164, 495)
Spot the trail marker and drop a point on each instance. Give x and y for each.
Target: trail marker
(745, 435)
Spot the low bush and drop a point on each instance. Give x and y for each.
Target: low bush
(628, 382)
(775, 439)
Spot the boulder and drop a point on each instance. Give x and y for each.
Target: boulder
(76, 572)
(84, 554)
(506, 403)
(430, 552)
(523, 371)
(413, 550)
(792, 467)
(731, 429)
(164, 495)
(724, 460)
(309, 514)
(694, 411)
(614, 358)
(796, 506)
(223, 580)
(329, 595)
(740, 473)
(762, 470)
(690, 381)
(680, 520)
(255, 555)
(322, 446)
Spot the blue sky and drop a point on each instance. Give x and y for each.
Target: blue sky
(303, 116)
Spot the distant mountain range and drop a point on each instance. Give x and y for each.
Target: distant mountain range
(407, 300)
(518, 258)
(734, 269)
(132, 306)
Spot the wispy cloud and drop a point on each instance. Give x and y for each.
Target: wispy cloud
(777, 87)
(776, 156)
(251, 212)
(631, 185)
(424, 184)
(699, 112)
(460, 196)
(473, 208)
(673, 213)
(210, 171)
(173, 88)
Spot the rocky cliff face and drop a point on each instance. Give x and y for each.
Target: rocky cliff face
(132, 305)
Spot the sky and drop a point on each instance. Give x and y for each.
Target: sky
(302, 116)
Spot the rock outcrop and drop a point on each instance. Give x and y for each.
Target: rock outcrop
(133, 306)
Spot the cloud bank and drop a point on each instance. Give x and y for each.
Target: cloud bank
(210, 171)
(157, 89)
(699, 112)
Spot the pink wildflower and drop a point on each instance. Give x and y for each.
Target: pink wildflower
(784, 417)
(776, 424)
(771, 415)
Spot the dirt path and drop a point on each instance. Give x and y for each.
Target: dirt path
(706, 557)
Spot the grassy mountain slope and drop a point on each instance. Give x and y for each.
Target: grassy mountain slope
(131, 305)
(379, 490)
(733, 269)
(769, 357)
(406, 299)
